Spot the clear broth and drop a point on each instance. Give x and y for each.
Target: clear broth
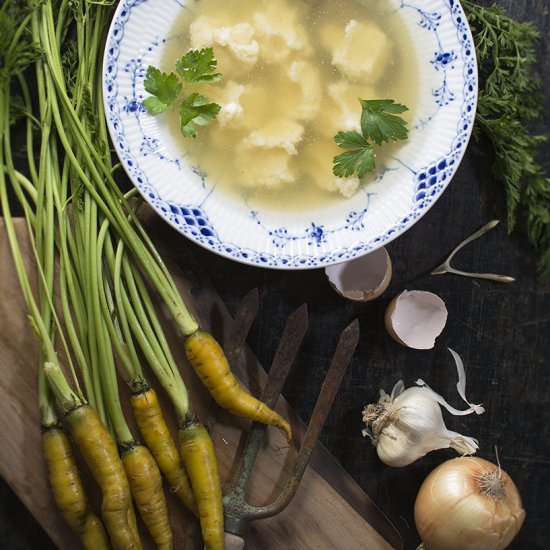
(214, 151)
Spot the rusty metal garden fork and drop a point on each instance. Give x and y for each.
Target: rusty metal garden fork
(238, 512)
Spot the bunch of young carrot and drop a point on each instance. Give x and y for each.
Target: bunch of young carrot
(96, 311)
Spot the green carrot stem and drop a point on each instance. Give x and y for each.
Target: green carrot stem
(34, 311)
(118, 326)
(30, 121)
(141, 328)
(46, 405)
(131, 273)
(92, 158)
(65, 396)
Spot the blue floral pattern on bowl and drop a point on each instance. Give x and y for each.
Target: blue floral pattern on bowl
(252, 236)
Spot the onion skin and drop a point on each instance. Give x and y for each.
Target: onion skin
(452, 513)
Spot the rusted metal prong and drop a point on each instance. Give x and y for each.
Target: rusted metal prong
(237, 510)
(291, 339)
(244, 317)
(340, 361)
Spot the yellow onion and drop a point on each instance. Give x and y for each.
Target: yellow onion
(468, 503)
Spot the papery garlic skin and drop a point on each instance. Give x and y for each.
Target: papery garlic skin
(455, 511)
(408, 424)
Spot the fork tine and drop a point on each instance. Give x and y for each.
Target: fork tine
(244, 317)
(289, 344)
(293, 334)
(340, 361)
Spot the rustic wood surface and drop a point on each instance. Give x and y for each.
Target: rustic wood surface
(501, 332)
(317, 515)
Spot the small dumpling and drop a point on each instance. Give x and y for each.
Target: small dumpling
(201, 32)
(263, 168)
(239, 39)
(234, 45)
(231, 114)
(279, 33)
(363, 52)
(264, 156)
(306, 78)
(317, 164)
(341, 109)
(279, 133)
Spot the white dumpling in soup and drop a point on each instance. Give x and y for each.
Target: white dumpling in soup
(263, 168)
(278, 32)
(235, 46)
(362, 51)
(305, 92)
(279, 133)
(228, 96)
(263, 157)
(317, 165)
(341, 110)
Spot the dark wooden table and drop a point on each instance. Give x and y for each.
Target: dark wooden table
(502, 333)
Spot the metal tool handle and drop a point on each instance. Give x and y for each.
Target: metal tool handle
(233, 542)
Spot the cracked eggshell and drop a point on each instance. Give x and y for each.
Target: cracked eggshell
(416, 318)
(362, 279)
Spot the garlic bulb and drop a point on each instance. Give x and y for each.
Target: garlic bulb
(408, 424)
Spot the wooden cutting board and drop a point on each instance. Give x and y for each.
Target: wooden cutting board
(329, 510)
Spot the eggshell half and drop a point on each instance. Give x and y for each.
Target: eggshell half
(416, 318)
(362, 279)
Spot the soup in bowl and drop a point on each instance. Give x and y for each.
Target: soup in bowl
(264, 180)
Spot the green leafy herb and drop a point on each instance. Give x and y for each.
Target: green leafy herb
(18, 50)
(165, 88)
(510, 100)
(379, 123)
(198, 66)
(359, 161)
(195, 109)
(379, 120)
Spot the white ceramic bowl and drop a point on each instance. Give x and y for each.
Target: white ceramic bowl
(184, 197)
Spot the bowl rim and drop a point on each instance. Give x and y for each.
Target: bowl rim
(262, 258)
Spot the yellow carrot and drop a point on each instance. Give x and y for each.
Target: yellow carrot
(209, 362)
(158, 439)
(68, 491)
(146, 488)
(94, 536)
(200, 461)
(100, 452)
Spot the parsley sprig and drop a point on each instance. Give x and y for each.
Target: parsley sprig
(380, 123)
(195, 109)
(510, 100)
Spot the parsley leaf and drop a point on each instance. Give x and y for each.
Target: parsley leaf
(379, 120)
(196, 110)
(164, 88)
(198, 66)
(379, 123)
(358, 161)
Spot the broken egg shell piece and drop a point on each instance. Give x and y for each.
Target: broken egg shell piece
(416, 318)
(362, 279)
